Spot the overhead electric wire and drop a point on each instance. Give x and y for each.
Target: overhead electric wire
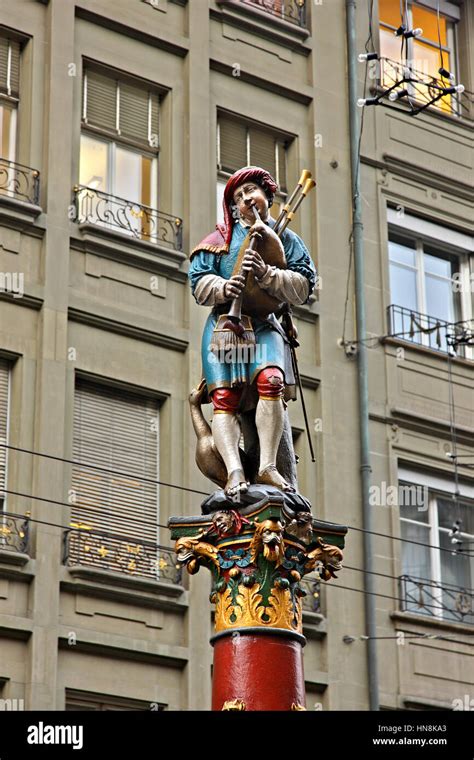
(103, 469)
(351, 527)
(184, 488)
(171, 549)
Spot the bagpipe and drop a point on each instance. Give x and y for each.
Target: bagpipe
(254, 301)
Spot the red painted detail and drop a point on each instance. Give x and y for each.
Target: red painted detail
(226, 399)
(270, 382)
(264, 671)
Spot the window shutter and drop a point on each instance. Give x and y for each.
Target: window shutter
(233, 144)
(262, 150)
(4, 379)
(101, 101)
(116, 430)
(9, 85)
(281, 147)
(133, 118)
(155, 114)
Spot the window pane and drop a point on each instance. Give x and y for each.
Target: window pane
(448, 512)
(220, 196)
(437, 265)
(426, 59)
(128, 181)
(7, 132)
(413, 502)
(389, 12)
(401, 252)
(415, 558)
(455, 568)
(428, 21)
(390, 47)
(93, 163)
(403, 287)
(439, 298)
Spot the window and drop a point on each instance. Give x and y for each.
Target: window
(4, 391)
(242, 144)
(422, 53)
(9, 94)
(87, 701)
(119, 149)
(115, 508)
(438, 583)
(427, 280)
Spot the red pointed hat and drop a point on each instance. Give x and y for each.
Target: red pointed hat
(219, 241)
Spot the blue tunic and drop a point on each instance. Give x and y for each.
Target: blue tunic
(272, 349)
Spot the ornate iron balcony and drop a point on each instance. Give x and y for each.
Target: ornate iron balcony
(434, 333)
(312, 600)
(443, 601)
(122, 554)
(133, 219)
(14, 533)
(293, 11)
(19, 182)
(423, 88)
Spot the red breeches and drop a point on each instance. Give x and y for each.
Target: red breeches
(270, 385)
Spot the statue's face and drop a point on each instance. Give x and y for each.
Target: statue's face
(247, 195)
(224, 522)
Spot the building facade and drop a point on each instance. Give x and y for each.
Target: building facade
(119, 124)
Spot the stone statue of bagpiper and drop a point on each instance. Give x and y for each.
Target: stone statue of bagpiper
(253, 266)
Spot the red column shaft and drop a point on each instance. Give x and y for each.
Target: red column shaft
(265, 671)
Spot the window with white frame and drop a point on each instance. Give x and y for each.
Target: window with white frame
(119, 146)
(241, 143)
(9, 95)
(430, 270)
(437, 578)
(422, 53)
(115, 494)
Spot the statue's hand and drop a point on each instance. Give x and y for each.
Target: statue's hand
(252, 261)
(234, 286)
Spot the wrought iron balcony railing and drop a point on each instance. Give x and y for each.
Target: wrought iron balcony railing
(428, 331)
(422, 88)
(14, 533)
(19, 182)
(312, 600)
(122, 554)
(133, 219)
(443, 601)
(293, 11)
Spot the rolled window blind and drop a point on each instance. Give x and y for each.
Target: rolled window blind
(233, 144)
(101, 101)
(264, 145)
(262, 150)
(118, 431)
(9, 66)
(109, 103)
(4, 380)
